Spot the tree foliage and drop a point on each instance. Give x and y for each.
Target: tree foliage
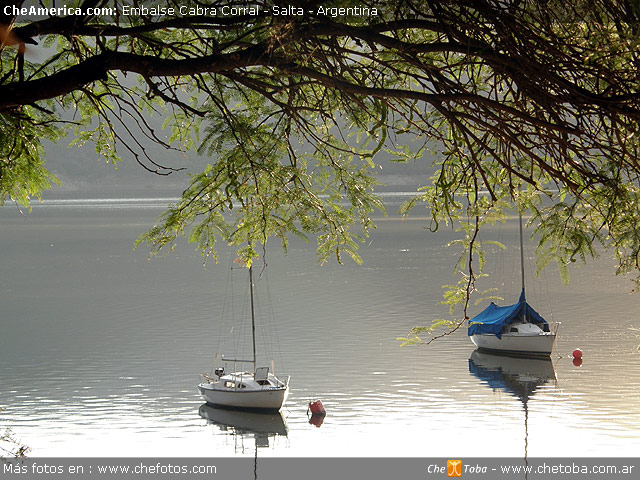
(10, 446)
(532, 102)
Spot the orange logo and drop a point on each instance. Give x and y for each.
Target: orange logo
(454, 468)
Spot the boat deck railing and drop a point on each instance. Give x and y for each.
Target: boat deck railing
(205, 378)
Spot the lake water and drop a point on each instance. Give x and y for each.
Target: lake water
(100, 348)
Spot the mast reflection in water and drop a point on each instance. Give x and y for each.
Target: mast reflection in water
(518, 376)
(245, 424)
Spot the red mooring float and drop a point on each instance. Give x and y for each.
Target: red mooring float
(317, 408)
(577, 353)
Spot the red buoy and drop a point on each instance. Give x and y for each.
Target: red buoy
(577, 362)
(317, 408)
(577, 353)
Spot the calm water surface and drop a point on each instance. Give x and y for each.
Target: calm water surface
(100, 348)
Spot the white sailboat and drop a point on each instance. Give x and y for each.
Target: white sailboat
(259, 389)
(513, 329)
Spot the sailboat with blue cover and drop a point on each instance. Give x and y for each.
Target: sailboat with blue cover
(513, 329)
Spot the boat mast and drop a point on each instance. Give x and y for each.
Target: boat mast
(253, 317)
(525, 313)
(521, 251)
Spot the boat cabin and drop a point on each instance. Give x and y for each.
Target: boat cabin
(247, 381)
(525, 328)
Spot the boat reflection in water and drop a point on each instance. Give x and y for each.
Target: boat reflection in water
(518, 376)
(243, 424)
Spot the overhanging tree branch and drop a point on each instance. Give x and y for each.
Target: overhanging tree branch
(297, 109)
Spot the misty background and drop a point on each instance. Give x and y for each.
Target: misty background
(85, 174)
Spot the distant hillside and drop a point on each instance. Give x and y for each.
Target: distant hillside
(85, 174)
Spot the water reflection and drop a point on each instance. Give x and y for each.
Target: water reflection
(242, 425)
(518, 376)
(316, 420)
(262, 426)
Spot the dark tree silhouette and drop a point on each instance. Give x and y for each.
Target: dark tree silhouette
(532, 102)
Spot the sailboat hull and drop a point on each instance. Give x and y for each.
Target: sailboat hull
(264, 399)
(516, 344)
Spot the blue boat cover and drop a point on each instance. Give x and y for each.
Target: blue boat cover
(493, 318)
(491, 376)
(498, 380)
